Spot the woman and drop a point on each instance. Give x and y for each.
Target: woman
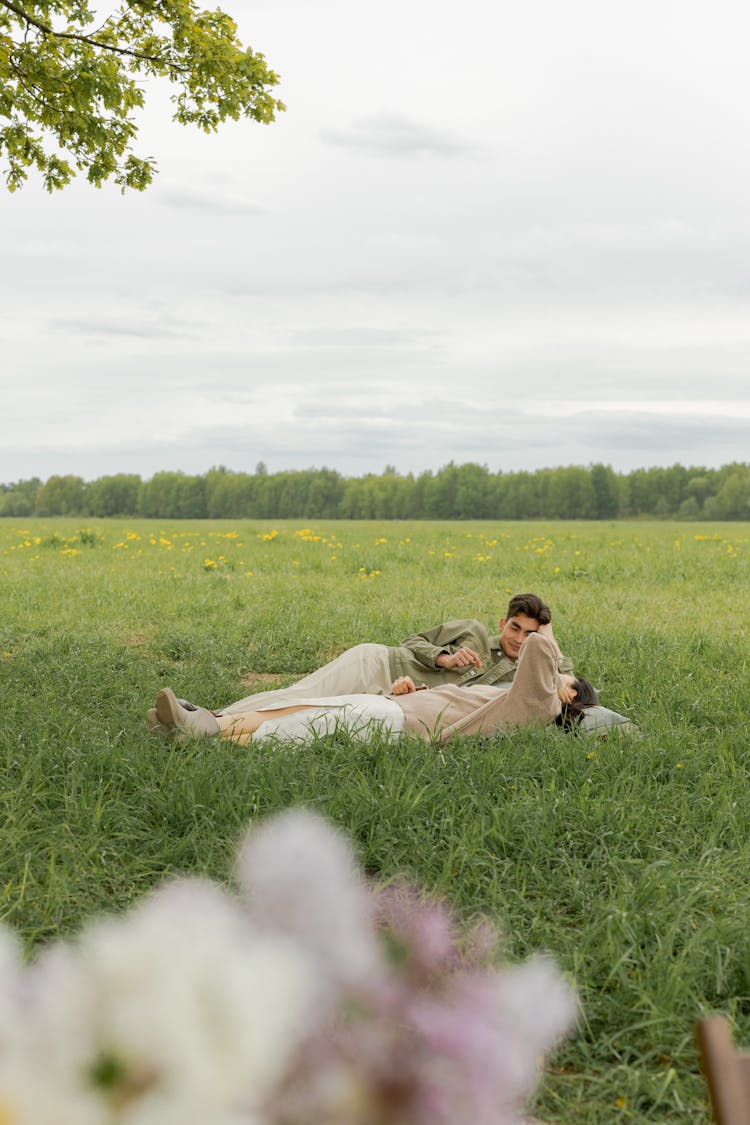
(537, 696)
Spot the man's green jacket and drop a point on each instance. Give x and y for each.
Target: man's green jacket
(416, 656)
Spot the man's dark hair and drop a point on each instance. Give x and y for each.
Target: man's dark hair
(532, 606)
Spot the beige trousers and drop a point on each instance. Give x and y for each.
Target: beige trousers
(364, 668)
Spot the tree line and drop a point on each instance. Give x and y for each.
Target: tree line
(454, 492)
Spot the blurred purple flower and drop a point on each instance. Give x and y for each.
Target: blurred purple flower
(445, 1037)
(316, 1001)
(485, 1037)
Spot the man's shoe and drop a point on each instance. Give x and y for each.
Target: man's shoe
(199, 723)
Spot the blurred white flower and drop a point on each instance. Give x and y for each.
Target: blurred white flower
(179, 1008)
(300, 879)
(302, 1006)
(10, 975)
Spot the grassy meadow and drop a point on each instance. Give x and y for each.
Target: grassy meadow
(628, 858)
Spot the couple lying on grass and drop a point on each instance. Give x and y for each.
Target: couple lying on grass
(474, 684)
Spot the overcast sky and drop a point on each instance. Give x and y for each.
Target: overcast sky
(510, 233)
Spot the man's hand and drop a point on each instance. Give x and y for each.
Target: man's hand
(404, 685)
(463, 658)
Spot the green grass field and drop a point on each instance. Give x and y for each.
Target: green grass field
(627, 858)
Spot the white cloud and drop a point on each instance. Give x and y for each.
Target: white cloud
(225, 203)
(515, 234)
(388, 134)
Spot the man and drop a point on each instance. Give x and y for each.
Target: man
(458, 652)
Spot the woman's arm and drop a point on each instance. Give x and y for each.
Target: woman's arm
(564, 663)
(546, 631)
(532, 699)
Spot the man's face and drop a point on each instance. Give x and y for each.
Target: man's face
(514, 631)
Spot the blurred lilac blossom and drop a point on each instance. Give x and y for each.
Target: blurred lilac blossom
(309, 1000)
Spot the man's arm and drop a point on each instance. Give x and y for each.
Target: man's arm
(461, 658)
(446, 645)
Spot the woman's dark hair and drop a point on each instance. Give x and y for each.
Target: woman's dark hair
(572, 713)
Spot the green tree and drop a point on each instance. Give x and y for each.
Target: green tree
(732, 501)
(672, 487)
(229, 495)
(699, 489)
(689, 509)
(19, 499)
(324, 495)
(440, 493)
(606, 495)
(472, 492)
(643, 492)
(571, 494)
(113, 495)
(522, 496)
(173, 496)
(70, 83)
(61, 496)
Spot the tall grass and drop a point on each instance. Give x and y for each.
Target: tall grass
(626, 858)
